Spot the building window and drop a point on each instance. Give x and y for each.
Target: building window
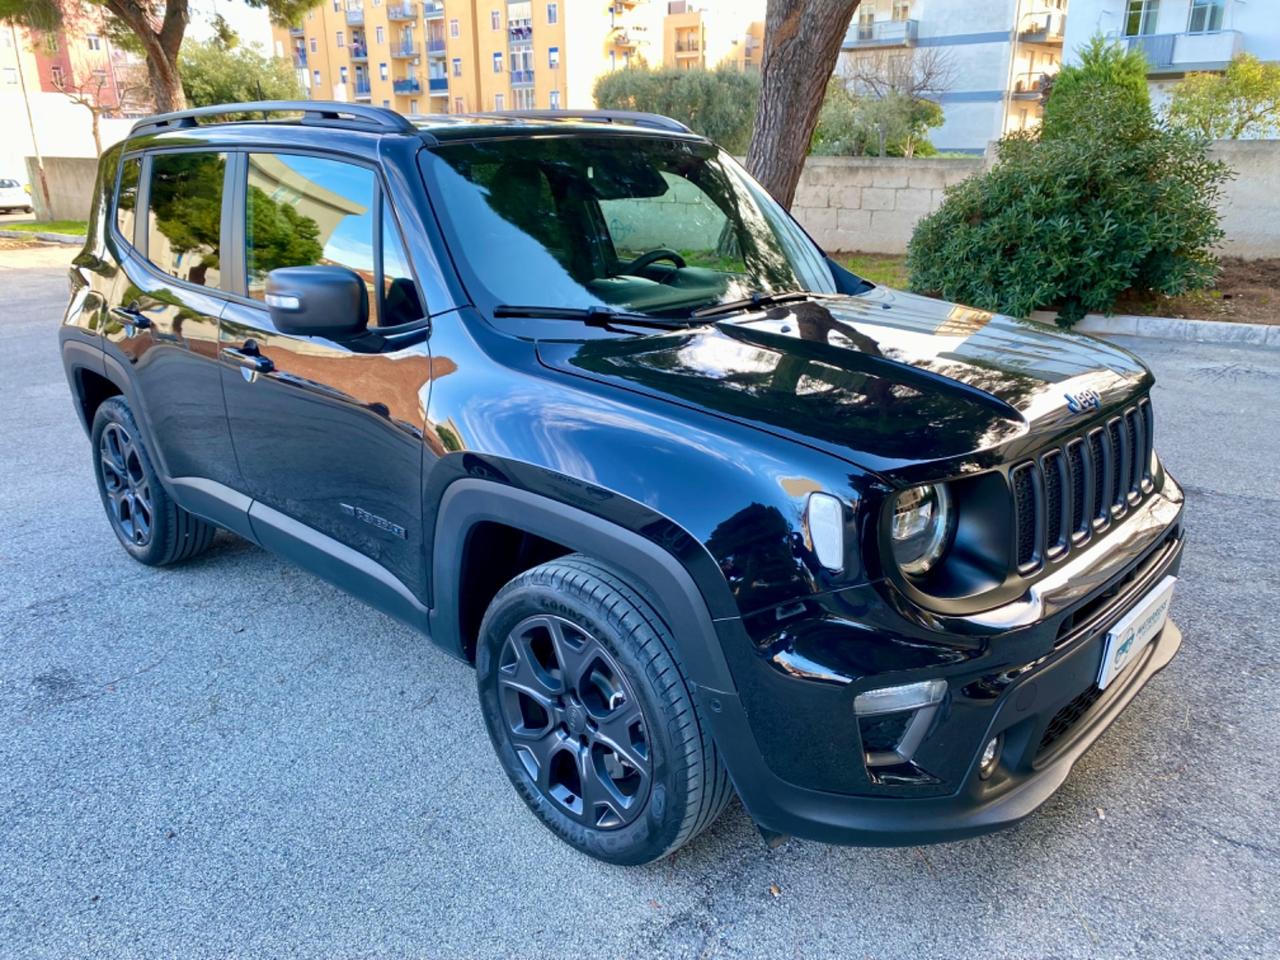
(553, 57)
(51, 43)
(55, 74)
(10, 75)
(499, 101)
(337, 5)
(495, 20)
(313, 44)
(1141, 17)
(342, 75)
(497, 63)
(453, 28)
(94, 41)
(458, 105)
(342, 39)
(901, 9)
(413, 106)
(315, 75)
(553, 12)
(1206, 16)
(555, 99)
(382, 71)
(379, 34)
(457, 66)
(386, 104)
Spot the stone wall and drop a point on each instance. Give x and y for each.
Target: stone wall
(869, 204)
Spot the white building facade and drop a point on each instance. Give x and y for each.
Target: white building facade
(997, 53)
(1179, 36)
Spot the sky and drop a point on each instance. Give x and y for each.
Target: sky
(251, 24)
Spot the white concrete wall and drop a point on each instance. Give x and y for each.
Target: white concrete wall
(62, 129)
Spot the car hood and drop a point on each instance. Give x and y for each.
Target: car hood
(884, 379)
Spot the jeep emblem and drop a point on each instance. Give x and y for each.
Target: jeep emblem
(1082, 401)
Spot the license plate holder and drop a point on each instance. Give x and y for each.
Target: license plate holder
(1132, 632)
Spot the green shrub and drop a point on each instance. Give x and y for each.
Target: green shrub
(1104, 200)
(1104, 94)
(719, 104)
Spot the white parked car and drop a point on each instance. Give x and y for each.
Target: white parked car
(13, 197)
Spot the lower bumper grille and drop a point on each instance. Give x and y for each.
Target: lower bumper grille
(1068, 717)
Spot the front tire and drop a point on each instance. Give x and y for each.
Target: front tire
(154, 529)
(591, 715)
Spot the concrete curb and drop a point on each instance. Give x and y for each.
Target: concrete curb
(48, 237)
(1169, 328)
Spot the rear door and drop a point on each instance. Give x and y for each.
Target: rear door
(163, 323)
(328, 434)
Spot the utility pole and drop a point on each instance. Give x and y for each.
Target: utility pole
(26, 102)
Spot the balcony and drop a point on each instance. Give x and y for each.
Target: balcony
(398, 12)
(521, 78)
(882, 33)
(407, 85)
(1046, 28)
(359, 52)
(1175, 53)
(404, 50)
(363, 90)
(433, 9)
(519, 30)
(355, 16)
(435, 46)
(296, 31)
(623, 37)
(438, 86)
(1029, 86)
(299, 57)
(688, 48)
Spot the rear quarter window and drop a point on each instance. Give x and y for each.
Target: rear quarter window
(184, 216)
(127, 197)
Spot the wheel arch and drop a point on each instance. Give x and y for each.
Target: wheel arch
(470, 503)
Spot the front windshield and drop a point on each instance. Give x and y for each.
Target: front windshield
(637, 224)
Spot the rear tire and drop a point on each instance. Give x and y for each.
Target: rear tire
(591, 715)
(154, 529)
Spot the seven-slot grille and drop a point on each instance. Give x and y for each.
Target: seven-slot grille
(1067, 492)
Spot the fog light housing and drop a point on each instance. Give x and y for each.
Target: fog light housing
(990, 757)
(892, 721)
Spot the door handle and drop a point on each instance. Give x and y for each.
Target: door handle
(248, 357)
(131, 316)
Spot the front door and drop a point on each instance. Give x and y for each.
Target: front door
(328, 435)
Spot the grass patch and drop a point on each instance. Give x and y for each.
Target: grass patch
(74, 227)
(880, 268)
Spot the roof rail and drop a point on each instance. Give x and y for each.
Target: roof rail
(631, 117)
(321, 113)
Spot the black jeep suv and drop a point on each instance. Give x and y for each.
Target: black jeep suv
(574, 397)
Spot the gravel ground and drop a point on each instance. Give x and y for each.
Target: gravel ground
(232, 758)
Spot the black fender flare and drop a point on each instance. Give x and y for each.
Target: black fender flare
(469, 501)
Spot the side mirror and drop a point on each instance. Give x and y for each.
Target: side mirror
(328, 302)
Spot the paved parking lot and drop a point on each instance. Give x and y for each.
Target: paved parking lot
(232, 758)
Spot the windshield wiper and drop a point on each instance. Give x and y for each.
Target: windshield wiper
(592, 316)
(755, 301)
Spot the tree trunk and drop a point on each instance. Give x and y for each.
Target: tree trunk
(802, 41)
(161, 46)
(97, 131)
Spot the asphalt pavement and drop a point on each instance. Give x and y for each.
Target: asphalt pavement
(233, 759)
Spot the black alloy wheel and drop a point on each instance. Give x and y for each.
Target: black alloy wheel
(576, 727)
(127, 488)
(591, 716)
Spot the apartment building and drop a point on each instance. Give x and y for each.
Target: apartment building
(462, 56)
(990, 59)
(1179, 36)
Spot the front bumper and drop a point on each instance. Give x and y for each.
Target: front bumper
(1033, 685)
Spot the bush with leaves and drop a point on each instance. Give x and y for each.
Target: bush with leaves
(719, 104)
(1104, 200)
(1242, 102)
(893, 125)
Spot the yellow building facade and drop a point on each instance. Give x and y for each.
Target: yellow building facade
(467, 56)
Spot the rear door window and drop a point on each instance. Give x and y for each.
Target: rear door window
(127, 197)
(184, 216)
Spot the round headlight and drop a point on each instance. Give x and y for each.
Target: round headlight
(923, 523)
